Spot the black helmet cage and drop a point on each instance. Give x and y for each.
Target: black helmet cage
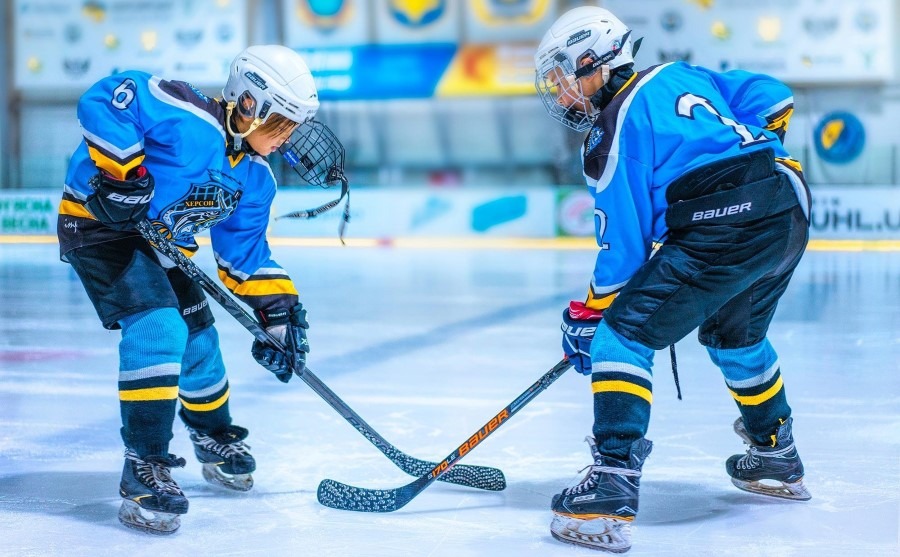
(315, 154)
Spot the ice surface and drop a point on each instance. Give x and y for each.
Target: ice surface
(426, 346)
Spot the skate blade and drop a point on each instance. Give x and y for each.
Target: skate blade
(795, 491)
(234, 482)
(604, 534)
(134, 516)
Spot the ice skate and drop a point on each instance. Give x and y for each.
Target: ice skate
(225, 457)
(152, 500)
(598, 511)
(775, 471)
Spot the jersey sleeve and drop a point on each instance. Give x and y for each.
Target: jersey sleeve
(245, 264)
(114, 121)
(756, 99)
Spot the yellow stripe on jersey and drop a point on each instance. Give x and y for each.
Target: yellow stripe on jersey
(600, 303)
(115, 168)
(152, 393)
(791, 163)
(266, 287)
(622, 387)
(74, 209)
(782, 121)
(756, 400)
(206, 406)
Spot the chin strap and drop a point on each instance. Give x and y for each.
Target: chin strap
(238, 137)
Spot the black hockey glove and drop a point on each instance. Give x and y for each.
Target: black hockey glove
(289, 327)
(120, 204)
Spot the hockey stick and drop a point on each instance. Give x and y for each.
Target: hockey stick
(345, 497)
(481, 477)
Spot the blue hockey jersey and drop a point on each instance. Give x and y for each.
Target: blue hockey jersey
(131, 119)
(664, 122)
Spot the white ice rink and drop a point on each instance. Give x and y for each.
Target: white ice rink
(427, 345)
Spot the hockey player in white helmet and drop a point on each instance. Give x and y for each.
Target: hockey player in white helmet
(162, 150)
(685, 165)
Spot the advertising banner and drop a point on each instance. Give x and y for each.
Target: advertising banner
(801, 41)
(431, 212)
(68, 45)
(838, 212)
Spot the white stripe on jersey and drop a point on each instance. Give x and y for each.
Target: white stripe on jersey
(120, 154)
(612, 159)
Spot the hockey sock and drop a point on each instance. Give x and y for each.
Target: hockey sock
(753, 378)
(150, 355)
(623, 391)
(203, 387)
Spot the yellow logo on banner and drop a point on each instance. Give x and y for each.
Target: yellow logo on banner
(94, 11)
(506, 12)
(704, 4)
(417, 13)
(325, 15)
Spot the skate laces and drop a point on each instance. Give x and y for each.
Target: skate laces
(225, 450)
(754, 456)
(154, 471)
(592, 478)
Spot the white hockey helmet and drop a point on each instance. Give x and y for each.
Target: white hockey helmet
(580, 33)
(269, 79)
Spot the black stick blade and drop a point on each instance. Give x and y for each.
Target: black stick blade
(345, 497)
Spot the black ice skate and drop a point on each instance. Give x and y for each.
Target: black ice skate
(225, 457)
(152, 500)
(598, 511)
(780, 465)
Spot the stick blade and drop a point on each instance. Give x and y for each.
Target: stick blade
(345, 497)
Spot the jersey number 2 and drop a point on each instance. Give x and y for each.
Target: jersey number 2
(687, 102)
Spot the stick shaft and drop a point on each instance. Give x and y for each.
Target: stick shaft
(481, 477)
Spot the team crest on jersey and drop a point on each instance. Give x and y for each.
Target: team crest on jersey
(204, 205)
(594, 139)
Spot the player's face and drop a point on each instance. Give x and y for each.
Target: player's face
(267, 143)
(566, 88)
(571, 92)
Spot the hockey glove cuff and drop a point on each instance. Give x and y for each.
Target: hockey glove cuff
(579, 324)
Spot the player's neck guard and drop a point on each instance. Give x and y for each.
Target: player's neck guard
(617, 79)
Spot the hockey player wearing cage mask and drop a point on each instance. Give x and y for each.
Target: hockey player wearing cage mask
(161, 150)
(701, 217)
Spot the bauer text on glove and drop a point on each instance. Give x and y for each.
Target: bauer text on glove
(578, 326)
(120, 204)
(288, 326)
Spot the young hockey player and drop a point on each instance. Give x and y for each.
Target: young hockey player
(701, 217)
(164, 151)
